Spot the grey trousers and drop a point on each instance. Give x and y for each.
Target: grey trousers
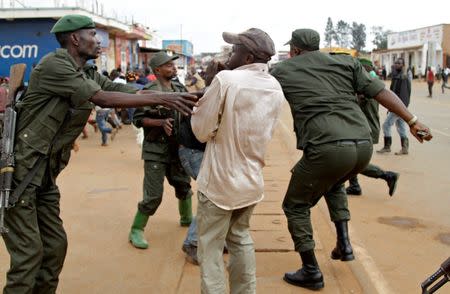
(215, 226)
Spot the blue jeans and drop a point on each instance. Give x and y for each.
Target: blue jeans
(130, 112)
(101, 117)
(191, 160)
(399, 123)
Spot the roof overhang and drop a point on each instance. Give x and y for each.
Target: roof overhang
(112, 25)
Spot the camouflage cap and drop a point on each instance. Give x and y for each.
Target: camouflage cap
(255, 40)
(305, 39)
(161, 58)
(72, 22)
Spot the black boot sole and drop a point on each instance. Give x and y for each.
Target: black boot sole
(338, 256)
(311, 286)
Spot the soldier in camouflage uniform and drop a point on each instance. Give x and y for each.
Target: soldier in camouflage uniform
(160, 152)
(61, 94)
(335, 138)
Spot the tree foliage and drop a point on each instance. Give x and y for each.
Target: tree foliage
(353, 36)
(342, 35)
(358, 36)
(329, 33)
(380, 40)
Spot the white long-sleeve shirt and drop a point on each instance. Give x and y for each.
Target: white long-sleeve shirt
(237, 117)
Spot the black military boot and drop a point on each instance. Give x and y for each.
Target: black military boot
(391, 179)
(405, 147)
(354, 188)
(387, 145)
(309, 276)
(343, 249)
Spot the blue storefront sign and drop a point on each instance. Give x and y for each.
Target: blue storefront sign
(28, 40)
(25, 41)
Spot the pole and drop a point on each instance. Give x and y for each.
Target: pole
(181, 38)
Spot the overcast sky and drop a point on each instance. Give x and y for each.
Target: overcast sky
(203, 22)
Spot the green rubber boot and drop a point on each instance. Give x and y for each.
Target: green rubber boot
(185, 209)
(136, 236)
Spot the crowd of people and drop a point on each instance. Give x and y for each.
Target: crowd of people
(431, 75)
(213, 141)
(108, 121)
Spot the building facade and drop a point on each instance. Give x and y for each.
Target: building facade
(184, 49)
(420, 48)
(26, 38)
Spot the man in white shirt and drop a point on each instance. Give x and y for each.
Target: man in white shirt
(236, 117)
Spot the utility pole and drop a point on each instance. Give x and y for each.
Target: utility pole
(183, 58)
(181, 38)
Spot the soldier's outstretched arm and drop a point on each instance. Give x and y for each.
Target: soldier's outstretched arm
(183, 102)
(388, 99)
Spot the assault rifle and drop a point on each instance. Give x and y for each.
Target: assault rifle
(444, 272)
(17, 73)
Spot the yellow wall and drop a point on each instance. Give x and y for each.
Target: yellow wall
(351, 52)
(446, 44)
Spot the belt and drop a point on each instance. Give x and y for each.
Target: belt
(354, 142)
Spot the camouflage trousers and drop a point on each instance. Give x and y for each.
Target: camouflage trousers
(154, 173)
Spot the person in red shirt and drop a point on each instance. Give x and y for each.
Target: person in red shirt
(150, 75)
(430, 81)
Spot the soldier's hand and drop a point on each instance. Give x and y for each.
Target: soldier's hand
(167, 126)
(183, 102)
(199, 94)
(221, 66)
(213, 68)
(421, 132)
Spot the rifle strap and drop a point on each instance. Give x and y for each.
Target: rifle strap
(30, 175)
(28, 178)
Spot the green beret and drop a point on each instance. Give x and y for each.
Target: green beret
(366, 62)
(161, 58)
(72, 22)
(305, 39)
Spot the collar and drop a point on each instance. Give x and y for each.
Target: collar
(89, 66)
(161, 88)
(64, 53)
(254, 67)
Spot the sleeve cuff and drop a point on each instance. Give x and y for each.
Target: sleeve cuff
(375, 87)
